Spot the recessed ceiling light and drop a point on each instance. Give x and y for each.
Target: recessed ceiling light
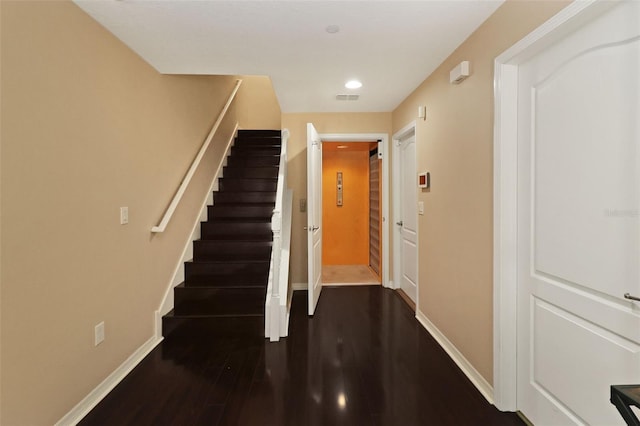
(332, 29)
(353, 84)
(342, 146)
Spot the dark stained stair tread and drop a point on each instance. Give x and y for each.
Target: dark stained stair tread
(244, 197)
(240, 300)
(236, 210)
(210, 326)
(259, 133)
(257, 161)
(247, 184)
(251, 172)
(228, 250)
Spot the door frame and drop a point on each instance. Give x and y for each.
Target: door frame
(406, 131)
(505, 189)
(383, 138)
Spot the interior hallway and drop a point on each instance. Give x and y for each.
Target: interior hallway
(362, 359)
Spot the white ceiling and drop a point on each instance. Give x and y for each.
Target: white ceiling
(391, 46)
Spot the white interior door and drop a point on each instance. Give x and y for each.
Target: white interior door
(314, 215)
(578, 222)
(408, 223)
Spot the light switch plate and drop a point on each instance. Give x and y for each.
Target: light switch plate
(420, 207)
(99, 334)
(124, 215)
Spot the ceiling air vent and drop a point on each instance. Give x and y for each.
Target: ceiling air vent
(347, 97)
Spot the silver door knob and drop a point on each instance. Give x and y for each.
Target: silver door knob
(630, 297)
(315, 228)
(400, 223)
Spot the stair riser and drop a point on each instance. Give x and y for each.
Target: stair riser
(230, 250)
(259, 161)
(255, 150)
(210, 328)
(238, 184)
(251, 143)
(226, 230)
(226, 281)
(244, 197)
(219, 301)
(251, 172)
(198, 270)
(257, 133)
(236, 211)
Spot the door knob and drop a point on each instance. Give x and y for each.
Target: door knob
(630, 297)
(400, 223)
(315, 228)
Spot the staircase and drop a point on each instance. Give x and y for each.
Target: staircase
(225, 284)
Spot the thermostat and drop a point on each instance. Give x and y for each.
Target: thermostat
(424, 180)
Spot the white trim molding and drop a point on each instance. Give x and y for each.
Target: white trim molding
(94, 397)
(467, 368)
(505, 189)
(299, 286)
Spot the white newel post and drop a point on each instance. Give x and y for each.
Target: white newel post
(274, 314)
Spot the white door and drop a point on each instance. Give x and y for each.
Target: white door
(408, 223)
(314, 215)
(578, 222)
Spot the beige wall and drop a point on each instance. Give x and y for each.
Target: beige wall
(297, 166)
(258, 107)
(89, 127)
(456, 145)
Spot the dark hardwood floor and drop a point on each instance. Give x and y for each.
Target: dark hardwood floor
(362, 359)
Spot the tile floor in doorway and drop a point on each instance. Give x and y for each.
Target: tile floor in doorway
(348, 275)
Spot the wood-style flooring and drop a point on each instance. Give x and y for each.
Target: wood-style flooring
(362, 360)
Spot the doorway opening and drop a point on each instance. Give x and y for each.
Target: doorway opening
(315, 227)
(351, 188)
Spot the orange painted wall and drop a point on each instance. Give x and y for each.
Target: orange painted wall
(345, 238)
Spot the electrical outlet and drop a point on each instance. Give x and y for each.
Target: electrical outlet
(99, 334)
(124, 215)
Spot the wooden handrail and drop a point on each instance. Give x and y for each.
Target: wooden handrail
(194, 165)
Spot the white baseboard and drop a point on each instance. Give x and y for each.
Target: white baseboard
(299, 286)
(78, 412)
(476, 378)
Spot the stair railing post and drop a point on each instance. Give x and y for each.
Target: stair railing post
(274, 315)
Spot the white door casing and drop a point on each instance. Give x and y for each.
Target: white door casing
(405, 212)
(314, 216)
(567, 202)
